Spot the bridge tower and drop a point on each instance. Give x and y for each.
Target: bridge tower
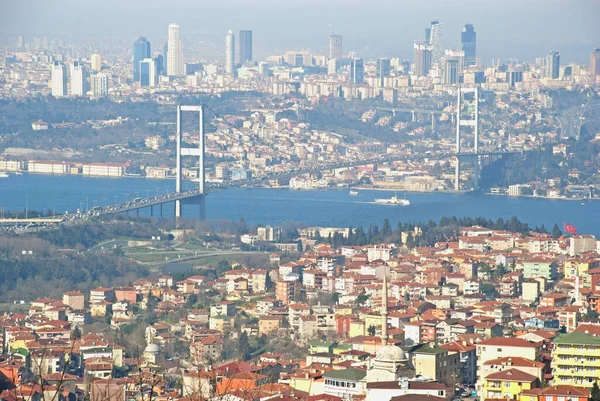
(199, 152)
(467, 121)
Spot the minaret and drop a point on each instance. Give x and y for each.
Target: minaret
(384, 311)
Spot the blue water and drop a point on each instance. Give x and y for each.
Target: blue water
(274, 206)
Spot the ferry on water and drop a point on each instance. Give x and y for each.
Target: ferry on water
(394, 200)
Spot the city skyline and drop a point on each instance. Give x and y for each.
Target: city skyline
(519, 37)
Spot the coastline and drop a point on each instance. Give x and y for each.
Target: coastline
(542, 197)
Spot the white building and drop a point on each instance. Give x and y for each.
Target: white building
(174, 52)
(229, 53)
(96, 62)
(77, 79)
(59, 79)
(100, 85)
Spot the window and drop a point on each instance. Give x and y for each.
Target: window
(499, 349)
(506, 384)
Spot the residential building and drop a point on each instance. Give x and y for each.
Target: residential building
(508, 384)
(574, 359)
(59, 79)
(99, 85)
(96, 62)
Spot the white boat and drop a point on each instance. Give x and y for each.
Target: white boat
(394, 200)
(18, 173)
(353, 193)
(3, 175)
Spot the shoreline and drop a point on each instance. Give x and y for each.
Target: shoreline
(542, 197)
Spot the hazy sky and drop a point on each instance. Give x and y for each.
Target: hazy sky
(522, 29)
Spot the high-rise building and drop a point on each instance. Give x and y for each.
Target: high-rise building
(357, 70)
(160, 65)
(174, 52)
(553, 65)
(422, 59)
(383, 70)
(59, 79)
(451, 70)
(141, 50)
(148, 74)
(468, 41)
(100, 85)
(96, 62)
(20, 42)
(165, 57)
(595, 62)
(435, 40)
(245, 46)
(229, 52)
(78, 82)
(335, 47)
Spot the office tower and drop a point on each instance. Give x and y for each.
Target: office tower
(160, 64)
(512, 77)
(427, 35)
(595, 62)
(229, 54)
(59, 79)
(553, 65)
(192, 68)
(141, 50)
(100, 85)
(468, 41)
(333, 66)
(422, 59)
(245, 46)
(335, 47)
(20, 42)
(435, 40)
(96, 62)
(357, 70)
(148, 75)
(78, 79)
(174, 52)
(165, 57)
(383, 70)
(451, 70)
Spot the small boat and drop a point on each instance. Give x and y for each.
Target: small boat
(353, 193)
(394, 200)
(3, 175)
(18, 173)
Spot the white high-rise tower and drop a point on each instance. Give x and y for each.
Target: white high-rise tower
(174, 52)
(77, 79)
(435, 40)
(59, 79)
(229, 54)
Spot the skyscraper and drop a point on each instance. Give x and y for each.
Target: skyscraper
(383, 70)
(160, 65)
(422, 59)
(553, 65)
(229, 54)
(78, 87)
(148, 74)
(595, 62)
(451, 70)
(165, 58)
(99, 85)
(435, 40)
(96, 62)
(468, 41)
(357, 70)
(141, 50)
(245, 46)
(335, 47)
(59, 79)
(174, 52)
(20, 42)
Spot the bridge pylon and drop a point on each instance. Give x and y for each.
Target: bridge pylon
(199, 152)
(473, 122)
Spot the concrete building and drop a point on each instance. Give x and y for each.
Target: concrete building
(422, 59)
(468, 41)
(148, 73)
(229, 53)
(174, 52)
(59, 79)
(553, 65)
(96, 62)
(595, 62)
(78, 81)
(99, 85)
(436, 42)
(141, 51)
(335, 47)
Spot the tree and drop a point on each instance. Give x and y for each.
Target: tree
(595, 394)
(77, 333)
(410, 242)
(371, 330)
(335, 297)
(386, 230)
(556, 233)
(362, 298)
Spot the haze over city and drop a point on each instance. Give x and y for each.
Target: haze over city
(380, 28)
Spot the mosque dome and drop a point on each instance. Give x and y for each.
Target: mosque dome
(152, 349)
(391, 353)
